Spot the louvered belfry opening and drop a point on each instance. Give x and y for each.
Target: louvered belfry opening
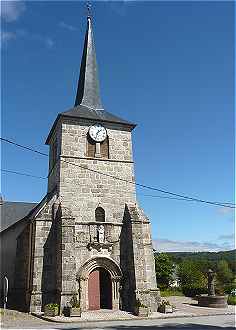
(100, 214)
(91, 148)
(105, 148)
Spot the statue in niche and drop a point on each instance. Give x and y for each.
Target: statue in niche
(101, 234)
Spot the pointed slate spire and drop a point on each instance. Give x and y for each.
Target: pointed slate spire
(88, 93)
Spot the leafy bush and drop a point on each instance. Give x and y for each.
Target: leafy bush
(225, 281)
(163, 306)
(230, 287)
(52, 306)
(164, 270)
(231, 300)
(219, 290)
(165, 303)
(193, 291)
(74, 301)
(171, 292)
(192, 280)
(139, 304)
(224, 275)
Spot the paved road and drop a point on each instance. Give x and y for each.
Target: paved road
(195, 323)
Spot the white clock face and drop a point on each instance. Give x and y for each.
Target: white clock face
(98, 133)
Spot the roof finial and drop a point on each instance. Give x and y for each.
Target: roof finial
(89, 6)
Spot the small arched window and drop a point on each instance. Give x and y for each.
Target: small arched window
(100, 214)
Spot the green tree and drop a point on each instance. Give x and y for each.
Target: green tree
(164, 270)
(192, 279)
(224, 275)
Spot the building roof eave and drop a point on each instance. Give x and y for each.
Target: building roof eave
(84, 113)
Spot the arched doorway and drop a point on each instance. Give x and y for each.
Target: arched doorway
(110, 274)
(99, 289)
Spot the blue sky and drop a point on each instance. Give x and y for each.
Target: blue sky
(167, 66)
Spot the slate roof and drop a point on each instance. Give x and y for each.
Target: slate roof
(88, 92)
(83, 112)
(102, 115)
(12, 212)
(88, 103)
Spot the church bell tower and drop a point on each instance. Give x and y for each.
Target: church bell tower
(99, 239)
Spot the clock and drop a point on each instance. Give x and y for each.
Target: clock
(97, 132)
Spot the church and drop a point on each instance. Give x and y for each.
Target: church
(88, 236)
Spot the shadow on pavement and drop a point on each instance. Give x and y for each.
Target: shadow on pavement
(166, 326)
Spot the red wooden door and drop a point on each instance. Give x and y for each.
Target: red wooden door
(94, 290)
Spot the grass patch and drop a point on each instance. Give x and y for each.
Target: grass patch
(171, 292)
(231, 300)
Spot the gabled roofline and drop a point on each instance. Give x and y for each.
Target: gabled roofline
(45, 198)
(52, 129)
(63, 115)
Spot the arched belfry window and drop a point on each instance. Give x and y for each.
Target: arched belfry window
(100, 214)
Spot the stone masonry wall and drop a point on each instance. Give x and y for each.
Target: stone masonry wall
(83, 184)
(21, 276)
(144, 264)
(44, 258)
(81, 189)
(54, 168)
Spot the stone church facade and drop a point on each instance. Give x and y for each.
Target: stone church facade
(88, 236)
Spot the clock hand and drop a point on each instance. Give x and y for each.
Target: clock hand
(98, 132)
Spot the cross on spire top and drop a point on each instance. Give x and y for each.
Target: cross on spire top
(88, 92)
(89, 7)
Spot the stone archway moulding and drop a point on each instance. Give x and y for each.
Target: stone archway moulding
(83, 274)
(109, 264)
